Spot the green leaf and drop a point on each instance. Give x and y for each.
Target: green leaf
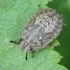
(13, 16)
(55, 43)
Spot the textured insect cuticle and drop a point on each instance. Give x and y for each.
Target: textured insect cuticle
(29, 28)
(40, 38)
(41, 29)
(33, 41)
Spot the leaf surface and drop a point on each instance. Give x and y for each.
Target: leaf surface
(13, 16)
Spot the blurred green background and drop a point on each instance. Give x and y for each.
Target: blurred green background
(63, 6)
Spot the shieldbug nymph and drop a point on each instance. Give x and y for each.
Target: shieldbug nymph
(43, 27)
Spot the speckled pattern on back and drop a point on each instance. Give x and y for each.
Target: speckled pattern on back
(42, 28)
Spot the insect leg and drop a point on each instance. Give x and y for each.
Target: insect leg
(39, 7)
(26, 56)
(15, 42)
(64, 25)
(33, 53)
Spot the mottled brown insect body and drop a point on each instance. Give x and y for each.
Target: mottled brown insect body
(41, 29)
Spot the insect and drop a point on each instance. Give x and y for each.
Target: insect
(43, 27)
